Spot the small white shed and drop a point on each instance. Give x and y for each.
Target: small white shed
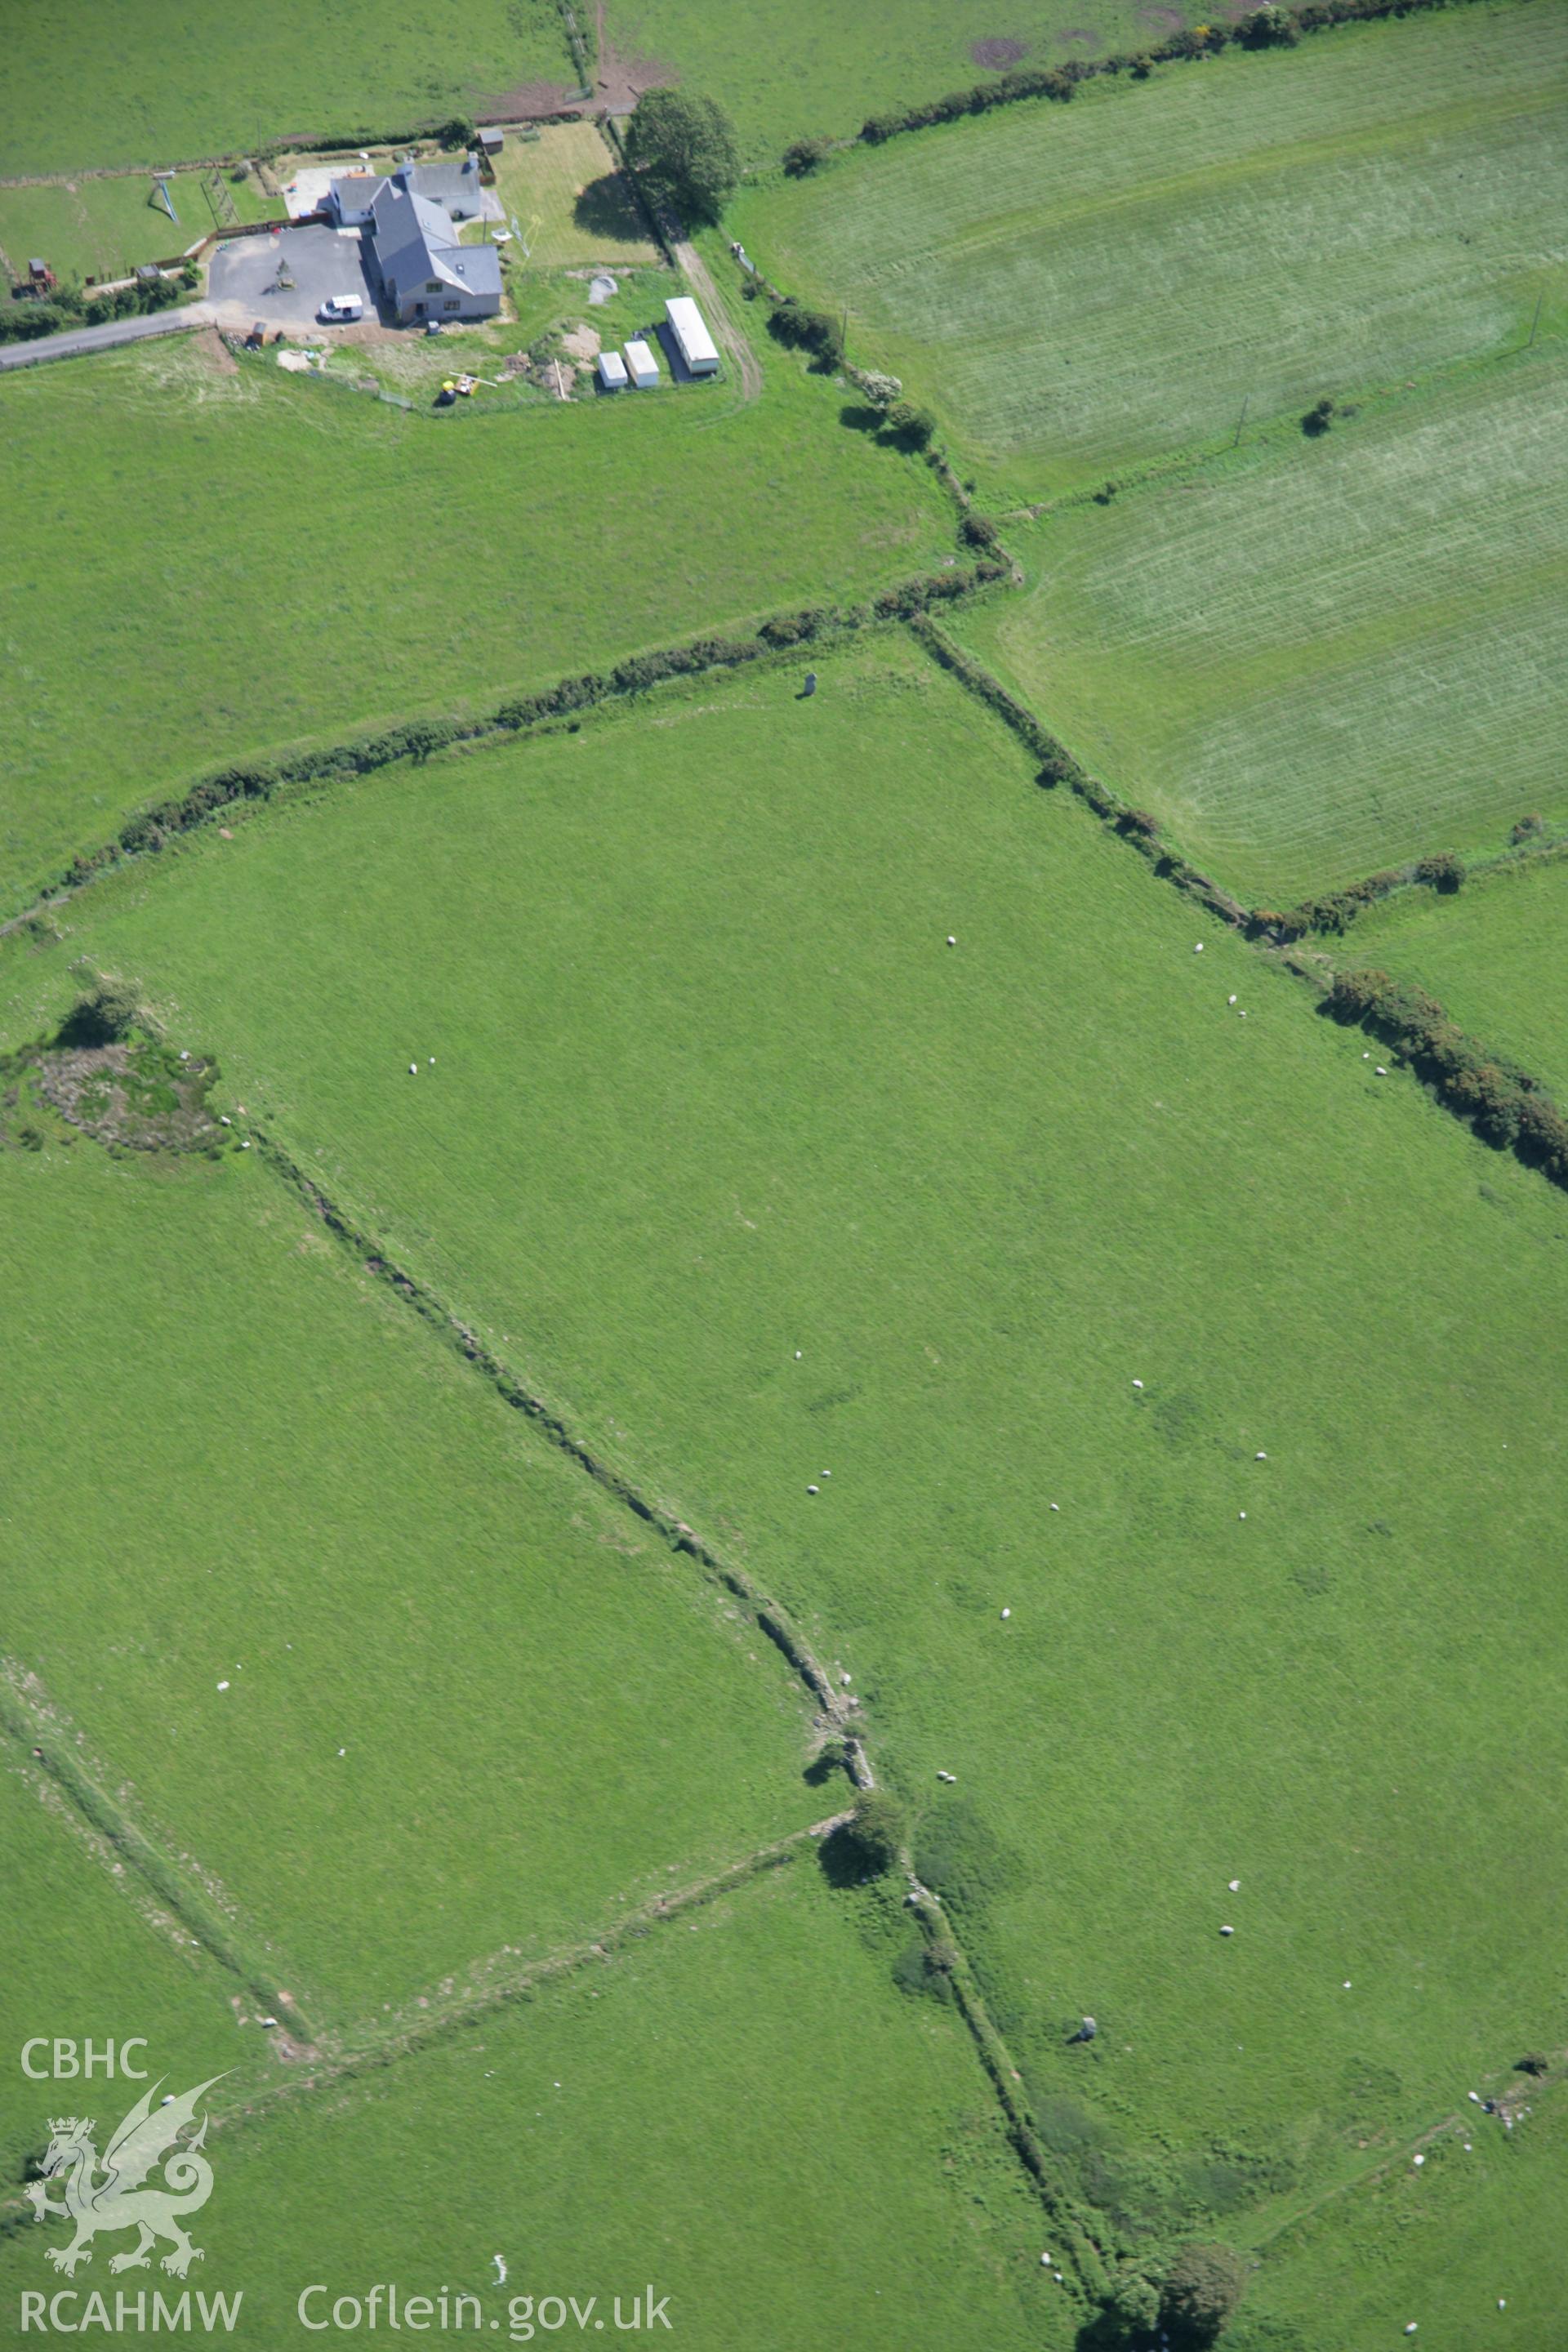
(612, 372)
(642, 365)
(693, 341)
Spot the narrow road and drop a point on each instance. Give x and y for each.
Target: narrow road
(78, 341)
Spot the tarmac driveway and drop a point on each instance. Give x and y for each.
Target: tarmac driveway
(242, 283)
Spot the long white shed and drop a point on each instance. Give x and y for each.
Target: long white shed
(641, 364)
(695, 344)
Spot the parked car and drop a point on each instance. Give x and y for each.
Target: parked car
(338, 308)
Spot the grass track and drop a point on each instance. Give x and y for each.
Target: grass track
(88, 82)
(200, 565)
(267, 1473)
(1320, 658)
(1496, 956)
(713, 1089)
(1080, 289)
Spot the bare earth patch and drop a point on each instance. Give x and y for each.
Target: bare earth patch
(529, 101)
(997, 56)
(1089, 36)
(624, 77)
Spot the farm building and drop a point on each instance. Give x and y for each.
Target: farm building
(693, 341)
(412, 255)
(612, 372)
(493, 141)
(641, 365)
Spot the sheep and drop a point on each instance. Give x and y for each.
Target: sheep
(413, 1069)
(951, 941)
(1006, 1612)
(949, 1777)
(1228, 1931)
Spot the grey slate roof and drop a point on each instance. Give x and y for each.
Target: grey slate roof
(414, 242)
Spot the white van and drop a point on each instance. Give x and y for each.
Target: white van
(339, 308)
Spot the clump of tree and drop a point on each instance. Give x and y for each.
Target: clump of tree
(1528, 828)
(802, 330)
(805, 155)
(1202, 2289)
(683, 149)
(462, 131)
(1318, 419)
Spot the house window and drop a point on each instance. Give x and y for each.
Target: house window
(433, 287)
(450, 306)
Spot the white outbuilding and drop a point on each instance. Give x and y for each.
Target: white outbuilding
(641, 365)
(693, 341)
(612, 372)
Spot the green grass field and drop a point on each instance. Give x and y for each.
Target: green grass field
(1497, 956)
(743, 2111)
(199, 565)
(564, 194)
(127, 1974)
(1468, 2246)
(1319, 658)
(713, 1089)
(87, 83)
(788, 71)
(106, 229)
(528, 1689)
(1077, 290)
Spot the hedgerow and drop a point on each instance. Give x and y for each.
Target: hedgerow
(1264, 29)
(419, 738)
(1503, 1103)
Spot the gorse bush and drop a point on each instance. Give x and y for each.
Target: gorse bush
(805, 155)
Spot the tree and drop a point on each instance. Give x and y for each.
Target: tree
(1202, 2288)
(1441, 869)
(683, 149)
(1318, 419)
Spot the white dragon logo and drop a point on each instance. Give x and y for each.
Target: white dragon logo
(118, 2200)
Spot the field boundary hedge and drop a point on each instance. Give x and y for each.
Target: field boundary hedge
(768, 1615)
(1266, 28)
(1504, 1104)
(1055, 765)
(33, 1723)
(254, 781)
(1333, 911)
(840, 1715)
